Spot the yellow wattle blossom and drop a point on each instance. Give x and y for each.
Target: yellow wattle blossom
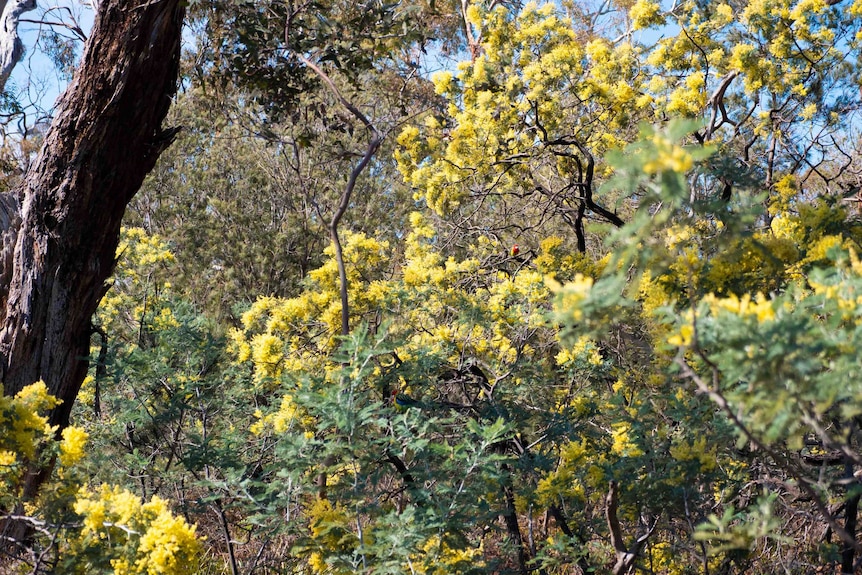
(595, 476)
(169, 544)
(760, 307)
(267, 352)
(584, 349)
(160, 543)
(110, 504)
(689, 99)
(141, 258)
(743, 58)
(820, 250)
(683, 337)
(7, 459)
(784, 227)
(571, 295)
(440, 558)
(165, 319)
(685, 332)
(474, 15)
(805, 9)
(668, 560)
(23, 427)
(258, 426)
(645, 14)
(724, 14)
(808, 111)
(652, 295)
(677, 234)
(281, 420)
(72, 445)
(442, 85)
(682, 450)
(563, 482)
(150, 248)
(238, 345)
(623, 444)
(785, 190)
(669, 157)
(332, 534)
(842, 293)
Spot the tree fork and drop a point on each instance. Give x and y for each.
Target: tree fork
(344, 203)
(626, 555)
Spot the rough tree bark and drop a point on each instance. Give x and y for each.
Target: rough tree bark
(106, 136)
(11, 48)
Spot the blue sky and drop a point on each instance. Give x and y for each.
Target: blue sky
(35, 81)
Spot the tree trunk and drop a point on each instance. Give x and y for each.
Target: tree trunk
(851, 510)
(11, 48)
(105, 138)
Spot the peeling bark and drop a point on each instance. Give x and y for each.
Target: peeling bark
(10, 223)
(11, 48)
(105, 138)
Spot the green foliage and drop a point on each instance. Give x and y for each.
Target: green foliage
(664, 372)
(75, 528)
(476, 388)
(254, 44)
(741, 531)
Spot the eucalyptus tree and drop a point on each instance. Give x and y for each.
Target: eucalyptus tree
(62, 224)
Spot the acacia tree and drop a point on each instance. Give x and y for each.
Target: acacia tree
(61, 226)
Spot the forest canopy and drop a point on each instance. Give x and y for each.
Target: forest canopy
(462, 287)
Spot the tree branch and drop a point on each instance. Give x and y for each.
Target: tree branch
(626, 557)
(372, 148)
(801, 480)
(11, 47)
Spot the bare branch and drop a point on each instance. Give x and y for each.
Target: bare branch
(373, 146)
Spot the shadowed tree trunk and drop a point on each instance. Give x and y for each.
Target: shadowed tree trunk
(63, 222)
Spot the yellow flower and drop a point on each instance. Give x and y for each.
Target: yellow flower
(267, 352)
(623, 445)
(645, 14)
(72, 446)
(571, 295)
(163, 544)
(7, 458)
(283, 418)
(584, 349)
(681, 450)
(683, 337)
(669, 157)
(760, 307)
(169, 545)
(442, 84)
(724, 13)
